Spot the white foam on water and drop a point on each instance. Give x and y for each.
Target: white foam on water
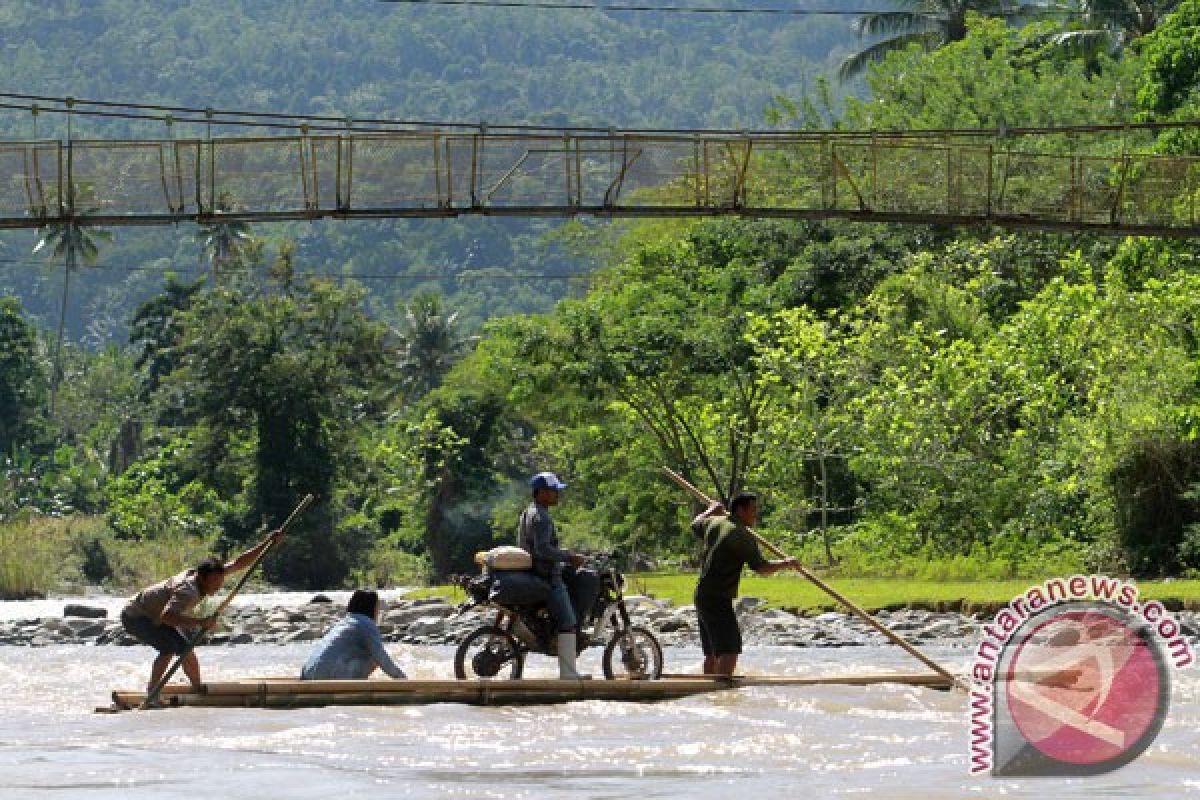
(53, 606)
(891, 742)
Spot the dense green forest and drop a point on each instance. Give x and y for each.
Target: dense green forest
(907, 400)
(372, 60)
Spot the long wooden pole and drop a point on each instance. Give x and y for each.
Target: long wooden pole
(157, 688)
(834, 593)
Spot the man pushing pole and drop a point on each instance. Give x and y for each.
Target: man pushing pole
(155, 614)
(834, 593)
(728, 546)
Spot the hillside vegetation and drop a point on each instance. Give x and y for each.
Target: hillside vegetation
(909, 401)
(374, 60)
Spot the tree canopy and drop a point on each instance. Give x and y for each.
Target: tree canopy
(917, 400)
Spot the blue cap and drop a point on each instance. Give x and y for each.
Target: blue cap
(547, 480)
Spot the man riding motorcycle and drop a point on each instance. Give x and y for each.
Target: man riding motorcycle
(536, 534)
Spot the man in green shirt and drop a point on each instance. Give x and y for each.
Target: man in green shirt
(728, 546)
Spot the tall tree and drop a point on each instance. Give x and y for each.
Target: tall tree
(156, 332)
(799, 359)
(1172, 71)
(659, 343)
(72, 240)
(21, 379)
(430, 343)
(292, 374)
(1110, 25)
(222, 240)
(928, 23)
(998, 75)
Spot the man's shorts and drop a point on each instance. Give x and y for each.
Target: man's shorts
(163, 638)
(719, 631)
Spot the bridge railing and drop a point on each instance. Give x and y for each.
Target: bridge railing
(435, 173)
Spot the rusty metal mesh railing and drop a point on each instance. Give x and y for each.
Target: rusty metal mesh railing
(430, 173)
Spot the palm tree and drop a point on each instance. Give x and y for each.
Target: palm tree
(929, 23)
(430, 343)
(222, 241)
(1110, 25)
(72, 240)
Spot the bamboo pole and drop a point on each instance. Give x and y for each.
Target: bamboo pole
(825, 587)
(154, 691)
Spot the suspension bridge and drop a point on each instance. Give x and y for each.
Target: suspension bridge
(895, 177)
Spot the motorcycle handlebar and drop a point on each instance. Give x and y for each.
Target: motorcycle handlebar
(603, 555)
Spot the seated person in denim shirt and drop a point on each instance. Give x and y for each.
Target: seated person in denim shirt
(352, 648)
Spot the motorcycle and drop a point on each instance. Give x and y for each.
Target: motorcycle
(497, 650)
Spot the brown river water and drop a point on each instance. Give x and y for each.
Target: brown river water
(751, 744)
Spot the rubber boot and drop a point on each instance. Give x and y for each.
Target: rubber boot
(566, 659)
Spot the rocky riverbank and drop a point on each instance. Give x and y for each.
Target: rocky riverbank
(434, 621)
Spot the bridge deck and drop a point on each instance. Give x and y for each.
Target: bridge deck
(445, 174)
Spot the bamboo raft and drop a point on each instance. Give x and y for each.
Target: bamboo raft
(291, 693)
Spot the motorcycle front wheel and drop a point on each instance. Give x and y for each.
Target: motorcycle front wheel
(633, 654)
(489, 653)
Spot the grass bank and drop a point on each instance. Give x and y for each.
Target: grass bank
(30, 558)
(41, 555)
(796, 593)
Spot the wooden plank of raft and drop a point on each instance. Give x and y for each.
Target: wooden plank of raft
(389, 698)
(739, 681)
(453, 687)
(263, 693)
(286, 692)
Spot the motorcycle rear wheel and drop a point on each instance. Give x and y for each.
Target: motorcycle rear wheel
(489, 653)
(633, 654)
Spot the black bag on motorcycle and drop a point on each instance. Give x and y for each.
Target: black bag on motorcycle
(584, 586)
(510, 588)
